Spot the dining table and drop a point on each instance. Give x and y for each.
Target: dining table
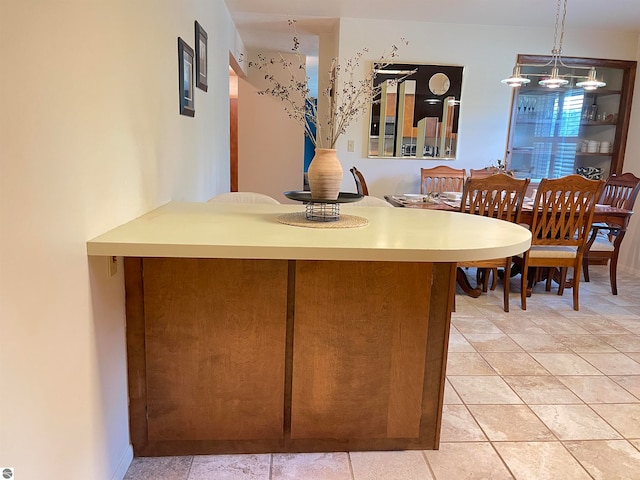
(602, 214)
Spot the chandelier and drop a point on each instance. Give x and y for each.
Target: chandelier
(555, 80)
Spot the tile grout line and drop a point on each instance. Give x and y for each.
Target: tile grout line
(351, 472)
(429, 468)
(189, 470)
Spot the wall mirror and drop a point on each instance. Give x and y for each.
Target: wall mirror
(416, 117)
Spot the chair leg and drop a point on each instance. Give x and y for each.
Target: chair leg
(482, 277)
(585, 268)
(494, 279)
(550, 272)
(613, 266)
(523, 283)
(532, 279)
(576, 286)
(563, 280)
(506, 281)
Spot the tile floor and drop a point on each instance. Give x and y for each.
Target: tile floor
(547, 393)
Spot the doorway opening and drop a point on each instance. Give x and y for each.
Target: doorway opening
(233, 126)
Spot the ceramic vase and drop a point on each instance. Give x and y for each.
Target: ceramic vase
(325, 174)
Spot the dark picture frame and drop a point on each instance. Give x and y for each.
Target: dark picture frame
(201, 57)
(185, 78)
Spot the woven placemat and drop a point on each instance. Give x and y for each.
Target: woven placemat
(298, 219)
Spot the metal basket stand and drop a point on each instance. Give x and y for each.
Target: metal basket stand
(322, 212)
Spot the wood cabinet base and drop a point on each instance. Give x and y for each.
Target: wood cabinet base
(255, 356)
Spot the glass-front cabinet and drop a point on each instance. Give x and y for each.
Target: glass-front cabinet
(559, 131)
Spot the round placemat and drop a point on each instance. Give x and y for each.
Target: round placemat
(298, 219)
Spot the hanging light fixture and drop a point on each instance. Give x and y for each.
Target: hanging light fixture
(555, 80)
(516, 79)
(591, 83)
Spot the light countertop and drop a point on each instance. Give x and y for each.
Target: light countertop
(216, 230)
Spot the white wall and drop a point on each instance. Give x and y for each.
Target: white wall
(630, 251)
(328, 50)
(488, 54)
(90, 137)
(270, 144)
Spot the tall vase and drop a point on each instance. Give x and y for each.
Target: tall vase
(325, 174)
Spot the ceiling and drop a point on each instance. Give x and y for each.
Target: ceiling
(263, 23)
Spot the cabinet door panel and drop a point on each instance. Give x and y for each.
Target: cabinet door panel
(215, 348)
(357, 375)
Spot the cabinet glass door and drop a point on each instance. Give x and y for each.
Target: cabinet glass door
(560, 131)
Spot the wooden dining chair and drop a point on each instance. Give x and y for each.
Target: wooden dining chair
(498, 196)
(483, 172)
(441, 179)
(561, 218)
(361, 185)
(603, 245)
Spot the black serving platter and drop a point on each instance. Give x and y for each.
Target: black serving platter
(305, 196)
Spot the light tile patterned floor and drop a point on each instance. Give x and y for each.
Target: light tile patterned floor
(547, 393)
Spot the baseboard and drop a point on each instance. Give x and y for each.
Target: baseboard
(123, 464)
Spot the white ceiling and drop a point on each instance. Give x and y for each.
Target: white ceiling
(262, 23)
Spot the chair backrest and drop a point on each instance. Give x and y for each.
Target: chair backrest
(361, 185)
(621, 191)
(483, 172)
(244, 197)
(497, 196)
(563, 210)
(441, 179)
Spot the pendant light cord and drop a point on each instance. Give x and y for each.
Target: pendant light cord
(557, 45)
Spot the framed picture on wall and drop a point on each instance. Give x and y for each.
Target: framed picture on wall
(201, 57)
(185, 80)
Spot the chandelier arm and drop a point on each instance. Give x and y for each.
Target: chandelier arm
(565, 75)
(540, 65)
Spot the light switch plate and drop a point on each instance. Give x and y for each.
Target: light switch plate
(112, 265)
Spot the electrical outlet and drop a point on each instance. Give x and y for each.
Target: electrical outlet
(112, 266)
(350, 145)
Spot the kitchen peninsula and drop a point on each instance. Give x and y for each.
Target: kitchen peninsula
(248, 335)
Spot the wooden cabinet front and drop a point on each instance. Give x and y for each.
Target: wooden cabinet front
(215, 344)
(356, 375)
(251, 356)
